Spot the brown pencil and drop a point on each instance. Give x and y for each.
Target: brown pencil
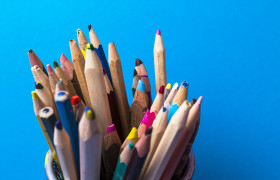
(136, 78)
(158, 102)
(113, 106)
(79, 66)
(52, 78)
(132, 137)
(112, 144)
(34, 60)
(39, 75)
(139, 155)
(119, 88)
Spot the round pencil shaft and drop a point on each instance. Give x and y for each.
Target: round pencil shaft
(79, 66)
(172, 94)
(160, 62)
(64, 151)
(40, 76)
(119, 88)
(168, 143)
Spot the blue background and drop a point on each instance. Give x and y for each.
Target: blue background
(227, 50)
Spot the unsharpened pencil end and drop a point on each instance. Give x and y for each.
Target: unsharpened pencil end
(49, 68)
(34, 95)
(89, 113)
(55, 64)
(133, 134)
(168, 86)
(149, 131)
(90, 46)
(161, 90)
(110, 129)
(138, 62)
(141, 86)
(130, 145)
(75, 100)
(158, 32)
(58, 125)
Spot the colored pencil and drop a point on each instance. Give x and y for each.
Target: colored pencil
(123, 162)
(139, 104)
(172, 94)
(46, 96)
(52, 78)
(112, 144)
(96, 88)
(66, 81)
(39, 75)
(160, 62)
(119, 89)
(113, 105)
(60, 86)
(141, 70)
(67, 118)
(139, 155)
(142, 127)
(82, 40)
(168, 143)
(158, 102)
(132, 137)
(78, 107)
(180, 97)
(90, 132)
(159, 127)
(167, 90)
(99, 50)
(34, 60)
(70, 72)
(184, 140)
(64, 151)
(136, 78)
(79, 66)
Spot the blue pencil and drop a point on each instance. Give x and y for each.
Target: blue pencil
(99, 51)
(67, 118)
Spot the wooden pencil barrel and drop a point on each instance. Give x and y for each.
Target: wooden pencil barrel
(54, 172)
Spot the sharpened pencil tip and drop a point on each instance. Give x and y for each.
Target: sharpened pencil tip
(138, 62)
(38, 85)
(89, 27)
(90, 46)
(149, 130)
(141, 86)
(63, 59)
(79, 31)
(58, 125)
(133, 134)
(130, 145)
(55, 64)
(110, 129)
(30, 51)
(199, 101)
(161, 90)
(89, 113)
(158, 32)
(75, 100)
(49, 68)
(146, 117)
(34, 95)
(168, 86)
(175, 86)
(185, 84)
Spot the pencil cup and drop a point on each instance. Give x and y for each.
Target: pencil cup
(54, 172)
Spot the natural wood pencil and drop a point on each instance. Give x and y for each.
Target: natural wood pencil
(136, 78)
(159, 127)
(132, 137)
(123, 162)
(52, 78)
(139, 104)
(34, 60)
(60, 86)
(79, 66)
(90, 132)
(119, 89)
(184, 140)
(70, 72)
(160, 62)
(96, 88)
(82, 39)
(66, 81)
(167, 90)
(168, 143)
(158, 102)
(39, 75)
(64, 151)
(139, 155)
(99, 50)
(112, 144)
(172, 94)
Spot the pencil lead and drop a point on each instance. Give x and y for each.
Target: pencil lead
(61, 93)
(90, 46)
(146, 117)
(168, 86)
(30, 51)
(199, 100)
(167, 106)
(185, 84)
(89, 113)
(58, 125)
(158, 32)
(49, 68)
(141, 86)
(34, 95)
(133, 91)
(149, 130)
(175, 86)
(89, 27)
(130, 145)
(38, 85)
(55, 64)
(133, 134)
(134, 73)
(138, 62)
(46, 110)
(75, 100)
(62, 59)
(59, 81)
(110, 129)
(79, 31)
(161, 90)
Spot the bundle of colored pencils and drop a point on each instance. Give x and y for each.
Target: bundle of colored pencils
(92, 131)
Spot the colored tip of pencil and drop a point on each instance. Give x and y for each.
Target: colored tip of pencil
(79, 31)
(149, 130)
(90, 46)
(34, 95)
(61, 93)
(62, 59)
(168, 86)
(46, 110)
(161, 90)
(130, 145)
(75, 100)
(104, 72)
(110, 129)
(158, 32)
(59, 81)
(138, 62)
(89, 27)
(89, 113)
(30, 51)
(133, 134)
(58, 125)
(55, 64)
(166, 107)
(38, 85)
(175, 86)
(49, 68)
(185, 84)
(141, 86)
(199, 101)
(146, 116)
(151, 119)
(134, 73)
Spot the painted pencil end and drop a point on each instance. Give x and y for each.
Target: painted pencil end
(161, 90)
(141, 86)
(75, 100)
(133, 134)
(158, 32)
(58, 125)
(110, 129)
